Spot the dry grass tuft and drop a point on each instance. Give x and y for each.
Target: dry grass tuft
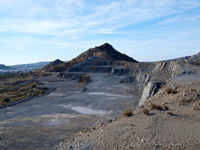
(196, 106)
(156, 106)
(170, 90)
(170, 113)
(165, 107)
(145, 111)
(142, 106)
(128, 113)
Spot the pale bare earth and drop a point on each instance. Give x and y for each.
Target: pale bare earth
(158, 130)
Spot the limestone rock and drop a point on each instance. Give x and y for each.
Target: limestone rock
(150, 90)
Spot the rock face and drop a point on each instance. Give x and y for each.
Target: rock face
(150, 90)
(143, 79)
(121, 71)
(80, 77)
(130, 79)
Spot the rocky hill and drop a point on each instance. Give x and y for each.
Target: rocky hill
(52, 64)
(103, 52)
(104, 55)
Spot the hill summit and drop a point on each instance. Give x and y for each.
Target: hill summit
(103, 52)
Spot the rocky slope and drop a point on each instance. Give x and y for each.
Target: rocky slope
(171, 123)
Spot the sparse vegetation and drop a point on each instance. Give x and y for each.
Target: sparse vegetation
(145, 111)
(128, 113)
(170, 90)
(15, 91)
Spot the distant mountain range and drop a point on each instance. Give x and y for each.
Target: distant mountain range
(31, 65)
(22, 67)
(2, 66)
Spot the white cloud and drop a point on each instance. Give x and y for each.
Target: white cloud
(59, 17)
(76, 25)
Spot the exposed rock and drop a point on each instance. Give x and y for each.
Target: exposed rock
(84, 89)
(150, 90)
(93, 69)
(128, 80)
(143, 79)
(121, 71)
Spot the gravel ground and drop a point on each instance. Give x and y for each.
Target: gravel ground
(159, 130)
(43, 122)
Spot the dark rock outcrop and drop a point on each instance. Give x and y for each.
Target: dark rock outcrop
(80, 77)
(128, 80)
(121, 71)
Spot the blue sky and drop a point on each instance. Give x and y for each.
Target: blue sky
(147, 30)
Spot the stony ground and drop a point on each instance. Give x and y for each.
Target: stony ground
(176, 128)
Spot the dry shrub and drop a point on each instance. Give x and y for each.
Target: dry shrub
(196, 106)
(165, 107)
(145, 111)
(170, 113)
(170, 90)
(142, 106)
(185, 102)
(128, 113)
(194, 90)
(156, 106)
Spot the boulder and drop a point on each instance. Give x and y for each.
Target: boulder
(84, 89)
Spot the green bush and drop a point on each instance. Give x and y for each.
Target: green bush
(6, 99)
